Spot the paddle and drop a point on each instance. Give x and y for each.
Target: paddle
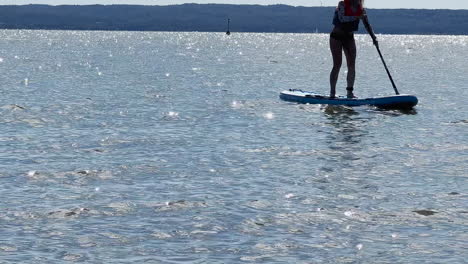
(369, 29)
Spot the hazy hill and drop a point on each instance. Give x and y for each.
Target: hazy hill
(211, 17)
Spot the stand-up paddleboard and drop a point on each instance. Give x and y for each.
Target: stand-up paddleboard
(387, 102)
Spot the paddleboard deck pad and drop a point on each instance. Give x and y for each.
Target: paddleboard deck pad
(387, 102)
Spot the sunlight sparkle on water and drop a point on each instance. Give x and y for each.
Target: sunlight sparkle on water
(269, 115)
(236, 104)
(349, 213)
(173, 114)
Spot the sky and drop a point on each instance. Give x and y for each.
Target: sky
(425, 4)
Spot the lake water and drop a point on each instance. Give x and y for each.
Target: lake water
(131, 147)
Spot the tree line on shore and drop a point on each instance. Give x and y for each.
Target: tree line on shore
(213, 18)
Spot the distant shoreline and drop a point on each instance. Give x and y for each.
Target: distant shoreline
(213, 17)
(222, 32)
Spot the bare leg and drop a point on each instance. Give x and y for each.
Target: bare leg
(337, 53)
(350, 53)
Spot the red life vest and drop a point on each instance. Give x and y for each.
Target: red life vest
(353, 7)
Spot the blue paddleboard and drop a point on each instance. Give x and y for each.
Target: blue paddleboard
(387, 102)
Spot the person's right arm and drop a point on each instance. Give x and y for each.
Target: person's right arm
(368, 27)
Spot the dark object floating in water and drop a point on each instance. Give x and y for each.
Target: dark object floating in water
(459, 122)
(454, 193)
(425, 212)
(228, 32)
(15, 107)
(179, 202)
(68, 213)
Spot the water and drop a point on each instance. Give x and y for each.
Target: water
(126, 147)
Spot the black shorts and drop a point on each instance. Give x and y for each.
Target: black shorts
(344, 37)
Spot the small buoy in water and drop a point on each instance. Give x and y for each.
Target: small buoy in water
(228, 32)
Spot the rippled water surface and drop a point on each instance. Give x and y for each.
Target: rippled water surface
(120, 147)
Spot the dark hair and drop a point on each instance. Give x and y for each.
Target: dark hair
(356, 3)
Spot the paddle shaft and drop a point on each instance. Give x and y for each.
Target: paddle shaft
(388, 72)
(376, 44)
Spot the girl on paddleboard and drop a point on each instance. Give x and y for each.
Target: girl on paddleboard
(346, 21)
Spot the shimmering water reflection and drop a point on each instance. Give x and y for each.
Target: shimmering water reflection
(128, 147)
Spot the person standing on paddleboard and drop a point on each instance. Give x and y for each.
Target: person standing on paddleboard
(346, 21)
